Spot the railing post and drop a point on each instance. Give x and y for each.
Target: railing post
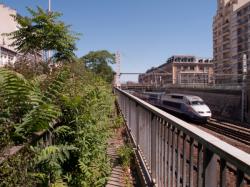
(153, 148)
(165, 154)
(239, 178)
(169, 155)
(129, 114)
(191, 161)
(184, 176)
(223, 174)
(199, 166)
(137, 125)
(173, 156)
(178, 159)
(209, 169)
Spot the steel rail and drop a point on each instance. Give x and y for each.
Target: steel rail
(231, 132)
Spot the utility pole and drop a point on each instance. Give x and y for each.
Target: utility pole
(49, 5)
(49, 10)
(118, 69)
(243, 92)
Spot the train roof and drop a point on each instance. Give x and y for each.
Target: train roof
(189, 97)
(155, 93)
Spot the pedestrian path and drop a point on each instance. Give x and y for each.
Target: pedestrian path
(116, 178)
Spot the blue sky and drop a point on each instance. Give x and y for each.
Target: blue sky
(146, 32)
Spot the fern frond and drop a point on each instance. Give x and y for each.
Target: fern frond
(57, 154)
(18, 94)
(56, 87)
(39, 118)
(63, 131)
(59, 183)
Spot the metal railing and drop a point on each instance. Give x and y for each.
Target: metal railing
(175, 153)
(206, 86)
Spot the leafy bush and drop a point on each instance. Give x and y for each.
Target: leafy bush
(125, 154)
(81, 104)
(118, 122)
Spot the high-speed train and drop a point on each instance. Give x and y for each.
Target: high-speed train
(188, 105)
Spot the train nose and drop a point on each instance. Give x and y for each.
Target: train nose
(209, 114)
(203, 111)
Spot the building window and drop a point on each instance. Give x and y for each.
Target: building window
(239, 13)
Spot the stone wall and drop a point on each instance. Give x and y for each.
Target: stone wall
(224, 104)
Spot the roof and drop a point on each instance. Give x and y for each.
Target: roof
(7, 7)
(186, 95)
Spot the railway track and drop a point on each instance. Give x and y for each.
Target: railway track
(241, 134)
(235, 132)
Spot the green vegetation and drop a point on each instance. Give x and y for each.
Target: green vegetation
(82, 107)
(43, 31)
(125, 154)
(118, 122)
(98, 62)
(71, 105)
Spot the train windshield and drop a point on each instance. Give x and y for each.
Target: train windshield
(197, 103)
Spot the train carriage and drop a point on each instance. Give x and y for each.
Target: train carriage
(188, 105)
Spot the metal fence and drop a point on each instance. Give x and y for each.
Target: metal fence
(175, 153)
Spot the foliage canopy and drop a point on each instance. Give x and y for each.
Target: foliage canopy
(83, 106)
(43, 31)
(99, 63)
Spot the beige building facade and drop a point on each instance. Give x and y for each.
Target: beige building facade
(7, 25)
(180, 69)
(231, 36)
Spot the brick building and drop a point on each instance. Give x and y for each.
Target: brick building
(8, 54)
(231, 39)
(7, 25)
(180, 69)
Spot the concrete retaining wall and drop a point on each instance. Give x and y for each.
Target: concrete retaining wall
(248, 104)
(225, 104)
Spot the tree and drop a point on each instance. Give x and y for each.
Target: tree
(99, 63)
(43, 31)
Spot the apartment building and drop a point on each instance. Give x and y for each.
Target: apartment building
(231, 36)
(7, 25)
(180, 69)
